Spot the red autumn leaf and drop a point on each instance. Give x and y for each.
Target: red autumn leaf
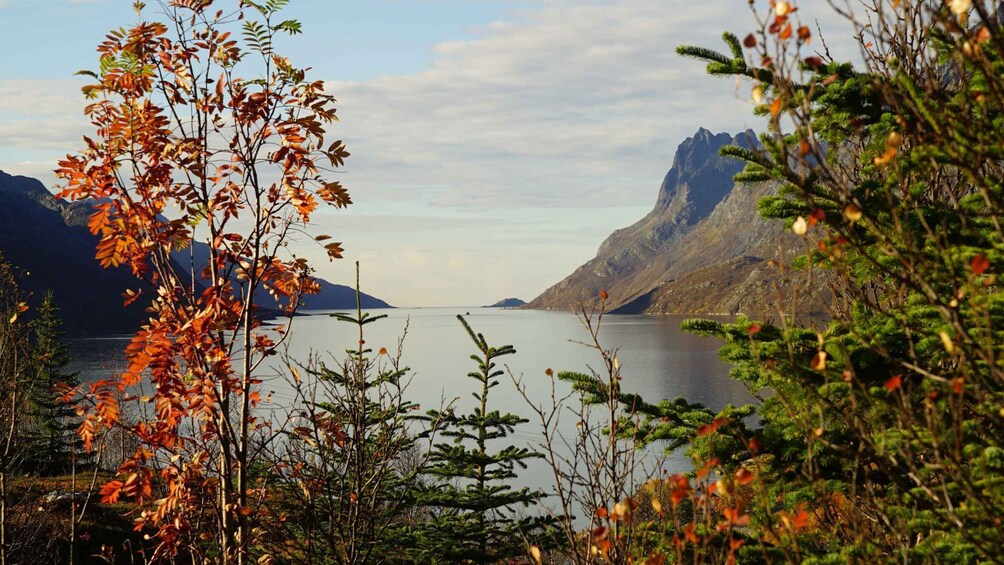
(678, 496)
(814, 63)
(958, 385)
(735, 516)
(754, 329)
(604, 295)
(744, 476)
(893, 383)
(712, 427)
(800, 520)
(817, 214)
(980, 264)
(599, 532)
(750, 41)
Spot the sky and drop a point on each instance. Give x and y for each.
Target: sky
(495, 143)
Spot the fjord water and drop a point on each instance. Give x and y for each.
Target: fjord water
(657, 359)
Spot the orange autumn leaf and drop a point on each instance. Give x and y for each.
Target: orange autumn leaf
(804, 148)
(110, 492)
(690, 533)
(775, 107)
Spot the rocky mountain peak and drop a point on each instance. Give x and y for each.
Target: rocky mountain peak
(703, 233)
(697, 162)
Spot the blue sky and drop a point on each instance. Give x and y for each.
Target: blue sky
(495, 143)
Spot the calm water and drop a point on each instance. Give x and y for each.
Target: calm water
(657, 359)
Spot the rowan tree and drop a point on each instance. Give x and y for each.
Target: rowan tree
(203, 132)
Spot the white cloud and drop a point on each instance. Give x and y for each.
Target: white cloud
(573, 102)
(557, 113)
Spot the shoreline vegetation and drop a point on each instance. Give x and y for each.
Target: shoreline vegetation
(875, 435)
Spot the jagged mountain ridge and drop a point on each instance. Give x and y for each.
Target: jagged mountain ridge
(701, 250)
(47, 240)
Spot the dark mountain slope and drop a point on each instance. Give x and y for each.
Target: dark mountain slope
(48, 241)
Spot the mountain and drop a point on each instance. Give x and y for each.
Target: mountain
(508, 303)
(47, 240)
(703, 249)
(331, 297)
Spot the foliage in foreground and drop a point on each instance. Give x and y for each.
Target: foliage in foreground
(886, 425)
(878, 437)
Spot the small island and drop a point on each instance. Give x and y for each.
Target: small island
(508, 303)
